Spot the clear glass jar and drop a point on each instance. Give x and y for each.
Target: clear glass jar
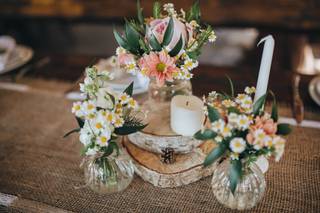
(165, 92)
(249, 191)
(109, 174)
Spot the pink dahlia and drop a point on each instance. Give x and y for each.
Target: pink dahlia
(161, 66)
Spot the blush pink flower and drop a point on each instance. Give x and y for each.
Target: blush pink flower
(161, 66)
(125, 58)
(265, 123)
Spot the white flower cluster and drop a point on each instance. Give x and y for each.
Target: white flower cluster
(187, 66)
(94, 80)
(245, 102)
(169, 8)
(99, 123)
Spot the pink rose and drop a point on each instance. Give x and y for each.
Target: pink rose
(270, 127)
(250, 138)
(158, 28)
(125, 58)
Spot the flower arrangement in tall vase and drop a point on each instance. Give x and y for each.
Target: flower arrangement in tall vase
(164, 47)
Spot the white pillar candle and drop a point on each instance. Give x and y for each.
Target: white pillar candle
(187, 114)
(265, 65)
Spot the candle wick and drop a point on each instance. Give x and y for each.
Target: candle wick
(187, 103)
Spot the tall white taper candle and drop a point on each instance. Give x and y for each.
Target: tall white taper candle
(266, 61)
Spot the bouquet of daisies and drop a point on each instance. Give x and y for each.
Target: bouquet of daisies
(104, 115)
(165, 46)
(243, 130)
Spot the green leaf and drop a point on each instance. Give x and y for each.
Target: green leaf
(283, 129)
(120, 40)
(205, 135)
(155, 43)
(129, 129)
(140, 14)
(80, 122)
(156, 10)
(129, 89)
(235, 174)
(115, 146)
(259, 104)
(175, 51)
(231, 86)
(213, 113)
(194, 54)
(215, 154)
(274, 111)
(194, 12)
(132, 37)
(71, 132)
(143, 46)
(168, 34)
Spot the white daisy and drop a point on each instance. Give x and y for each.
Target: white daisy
(124, 98)
(212, 37)
(243, 122)
(76, 109)
(103, 139)
(218, 126)
(238, 145)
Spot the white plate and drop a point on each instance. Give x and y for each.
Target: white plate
(19, 56)
(313, 89)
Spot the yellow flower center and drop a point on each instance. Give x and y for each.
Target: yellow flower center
(161, 67)
(77, 107)
(110, 117)
(103, 139)
(98, 125)
(238, 145)
(90, 107)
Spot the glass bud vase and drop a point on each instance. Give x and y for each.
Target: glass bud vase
(250, 189)
(108, 174)
(164, 93)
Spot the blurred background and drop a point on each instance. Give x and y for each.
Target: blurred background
(67, 35)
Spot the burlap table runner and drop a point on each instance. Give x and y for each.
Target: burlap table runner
(40, 169)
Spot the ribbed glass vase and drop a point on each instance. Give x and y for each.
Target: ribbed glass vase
(249, 191)
(108, 174)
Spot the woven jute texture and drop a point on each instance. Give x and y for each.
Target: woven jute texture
(40, 167)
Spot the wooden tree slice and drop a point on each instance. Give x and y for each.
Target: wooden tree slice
(187, 168)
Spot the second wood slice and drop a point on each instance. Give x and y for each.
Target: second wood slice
(187, 168)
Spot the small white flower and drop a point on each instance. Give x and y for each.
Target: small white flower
(132, 103)
(243, 122)
(234, 156)
(213, 95)
(279, 144)
(193, 24)
(228, 103)
(120, 50)
(89, 109)
(250, 90)
(238, 145)
(226, 131)
(218, 139)
(268, 142)
(103, 139)
(76, 109)
(124, 98)
(218, 126)
(169, 8)
(194, 46)
(119, 122)
(212, 37)
(233, 119)
(86, 134)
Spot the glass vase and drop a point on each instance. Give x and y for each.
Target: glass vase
(108, 174)
(249, 191)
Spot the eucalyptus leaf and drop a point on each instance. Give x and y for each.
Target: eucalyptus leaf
(207, 134)
(233, 110)
(71, 132)
(156, 10)
(259, 104)
(215, 154)
(175, 51)
(80, 122)
(283, 129)
(140, 14)
(155, 43)
(129, 89)
(143, 46)
(129, 129)
(169, 33)
(132, 37)
(213, 114)
(274, 111)
(120, 40)
(235, 174)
